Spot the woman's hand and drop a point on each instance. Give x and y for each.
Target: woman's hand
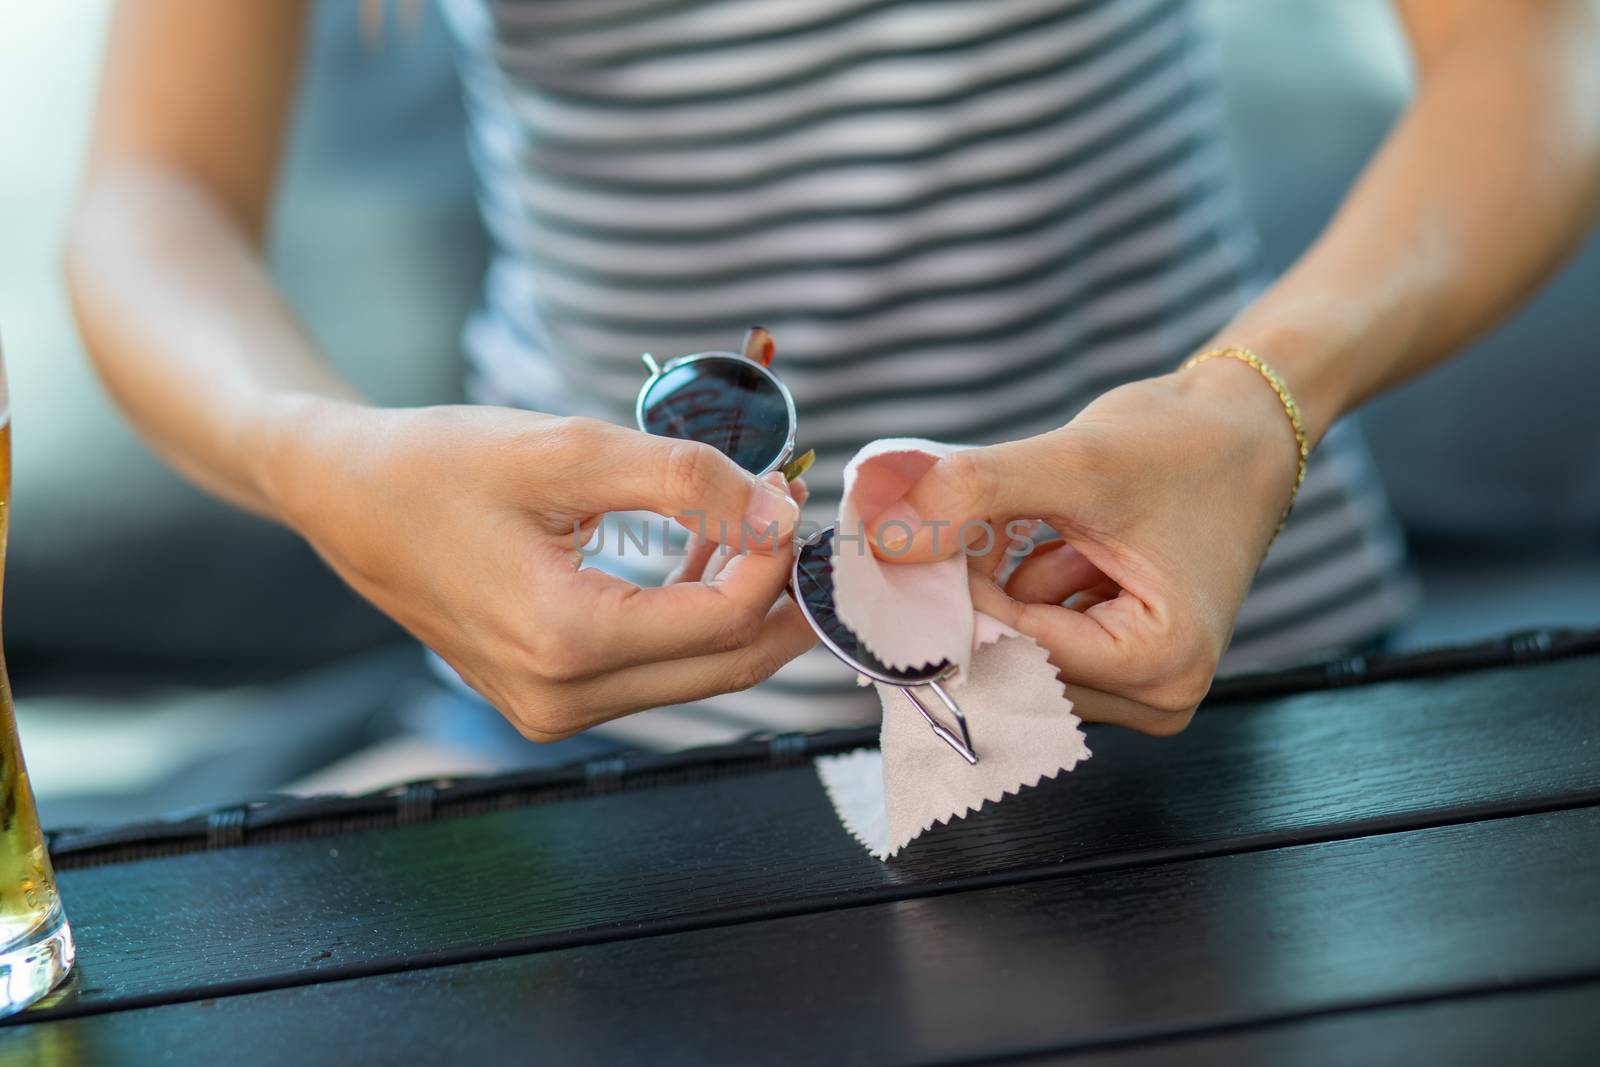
(459, 522)
(1166, 493)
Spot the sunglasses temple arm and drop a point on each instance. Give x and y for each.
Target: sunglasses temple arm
(799, 465)
(962, 744)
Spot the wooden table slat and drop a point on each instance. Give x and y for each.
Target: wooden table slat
(1544, 1025)
(1305, 768)
(1105, 958)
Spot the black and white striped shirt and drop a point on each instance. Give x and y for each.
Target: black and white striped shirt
(961, 221)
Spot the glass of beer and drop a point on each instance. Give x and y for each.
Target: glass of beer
(36, 948)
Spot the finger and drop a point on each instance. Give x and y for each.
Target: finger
(1084, 599)
(1051, 573)
(627, 470)
(696, 554)
(966, 498)
(800, 491)
(1079, 644)
(616, 624)
(1020, 539)
(1093, 705)
(783, 635)
(720, 558)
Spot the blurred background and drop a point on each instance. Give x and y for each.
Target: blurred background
(167, 652)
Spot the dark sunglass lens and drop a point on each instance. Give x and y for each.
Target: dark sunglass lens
(726, 403)
(814, 586)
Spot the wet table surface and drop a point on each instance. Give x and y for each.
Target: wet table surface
(1391, 860)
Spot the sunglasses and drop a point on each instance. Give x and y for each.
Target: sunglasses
(729, 401)
(734, 403)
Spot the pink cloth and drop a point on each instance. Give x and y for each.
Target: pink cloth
(910, 615)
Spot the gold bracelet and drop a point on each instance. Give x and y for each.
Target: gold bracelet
(1290, 408)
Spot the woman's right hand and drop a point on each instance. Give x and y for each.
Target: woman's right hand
(460, 523)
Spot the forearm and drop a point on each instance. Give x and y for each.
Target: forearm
(187, 330)
(1490, 179)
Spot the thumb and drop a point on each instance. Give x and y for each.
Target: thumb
(967, 500)
(692, 483)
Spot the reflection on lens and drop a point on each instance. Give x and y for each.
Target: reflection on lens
(814, 589)
(726, 403)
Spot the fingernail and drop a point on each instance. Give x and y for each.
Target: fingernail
(771, 505)
(893, 528)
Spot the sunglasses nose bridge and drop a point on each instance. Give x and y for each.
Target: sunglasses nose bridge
(650, 362)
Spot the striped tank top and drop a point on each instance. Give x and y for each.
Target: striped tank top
(961, 221)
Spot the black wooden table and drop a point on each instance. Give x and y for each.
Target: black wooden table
(1385, 860)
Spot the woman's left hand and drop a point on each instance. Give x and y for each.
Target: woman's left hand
(1166, 493)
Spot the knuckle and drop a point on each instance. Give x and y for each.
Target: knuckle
(689, 471)
(752, 670)
(970, 478)
(1184, 688)
(753, 667)
(558, 658)
(539, 713)
(1170, 724)
(571, 439)
(539, 716)
(740, 627)
(582, 430)
(543, 723)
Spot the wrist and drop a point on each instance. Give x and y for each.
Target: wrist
(1263, 422)
(1304, 361)
(289, 443)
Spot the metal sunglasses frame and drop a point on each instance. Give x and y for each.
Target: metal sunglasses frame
(659, 370)
(962, 744)
(935, 676)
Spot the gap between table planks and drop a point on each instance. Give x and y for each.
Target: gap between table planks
(1225, 954)
(1325, 766)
